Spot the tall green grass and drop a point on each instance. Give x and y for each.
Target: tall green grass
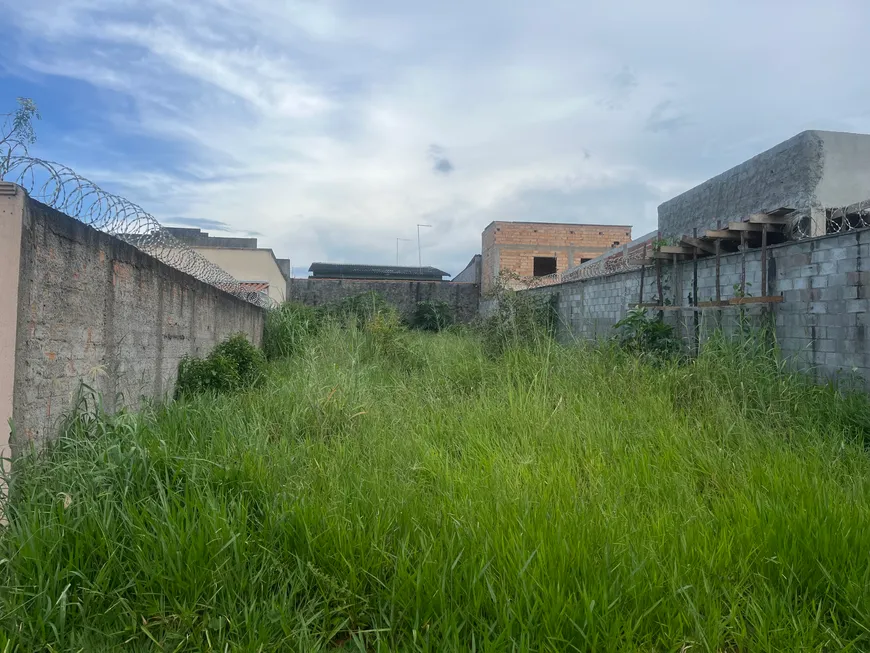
(394, 491)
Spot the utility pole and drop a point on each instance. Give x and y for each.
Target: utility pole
(407, 240)
(419, 249)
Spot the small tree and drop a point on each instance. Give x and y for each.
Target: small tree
(17, 132)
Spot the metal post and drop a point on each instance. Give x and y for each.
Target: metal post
(642, 275)
(743, 263)
(695, 271)
(695, 328)
(659, 285)
(764, 261)
(718, 268)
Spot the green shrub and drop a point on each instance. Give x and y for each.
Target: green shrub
(232, 365)
(248, 361)
(642, 333)
(432, 316)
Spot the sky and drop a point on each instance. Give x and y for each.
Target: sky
(330, 128)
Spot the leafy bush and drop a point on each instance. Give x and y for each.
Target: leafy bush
(248, 361)
(431, 316)
(642, 333)
(232, 365)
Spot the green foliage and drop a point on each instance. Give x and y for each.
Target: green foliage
(360, 309)
(233, 365)
(248, 361)
(570, 499)
(22, 121)
(17, 132)
(641, 333)
(518, 319)
(288, 328)
(432, 316)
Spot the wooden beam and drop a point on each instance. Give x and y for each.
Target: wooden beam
(703, 245)
(781, 211)
(665, 256)
(727, 303)
(722, 233)
(675, 249)
(763, 218)
(744, 226)
(774, 299)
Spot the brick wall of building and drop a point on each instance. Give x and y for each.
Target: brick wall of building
(513, 246)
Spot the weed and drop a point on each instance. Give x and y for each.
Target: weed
(641, 333)
(391, 490)
(288, 327)
(431, 316)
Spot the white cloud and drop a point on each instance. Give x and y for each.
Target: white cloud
(312, 122)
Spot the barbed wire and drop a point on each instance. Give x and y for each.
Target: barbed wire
(61, 188)
(633, 256)
(837, 221)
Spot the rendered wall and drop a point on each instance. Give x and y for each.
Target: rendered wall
(249, 265)
(471, 273)
(809, 172)
(93, 308)
(822, 325)
(462, 297)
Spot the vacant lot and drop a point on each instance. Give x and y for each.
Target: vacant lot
(385, 490)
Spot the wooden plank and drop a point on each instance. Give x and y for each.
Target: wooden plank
(642, 275)
(744, 226)
(727, 303)
(698, 243)
(763, 218)
(665, 256)
(774, 299)
(718, 269)
(659, 307)
(781, 211)
(764, 260)
(675, 249)
(659, 282)
(722, 233)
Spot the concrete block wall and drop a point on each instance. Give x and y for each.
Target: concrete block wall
(513, 246)
(464, 298)
(822, 325)
(92, 308)
(809, 172)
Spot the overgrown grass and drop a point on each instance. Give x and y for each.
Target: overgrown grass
(386, 490)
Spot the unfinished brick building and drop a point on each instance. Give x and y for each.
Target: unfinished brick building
(540, 249)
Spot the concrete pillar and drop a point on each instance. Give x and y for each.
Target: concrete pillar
(818, 222)
(12, 200)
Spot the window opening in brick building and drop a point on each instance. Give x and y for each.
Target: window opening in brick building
(544, 265)
(584, 260)
(615, 243)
